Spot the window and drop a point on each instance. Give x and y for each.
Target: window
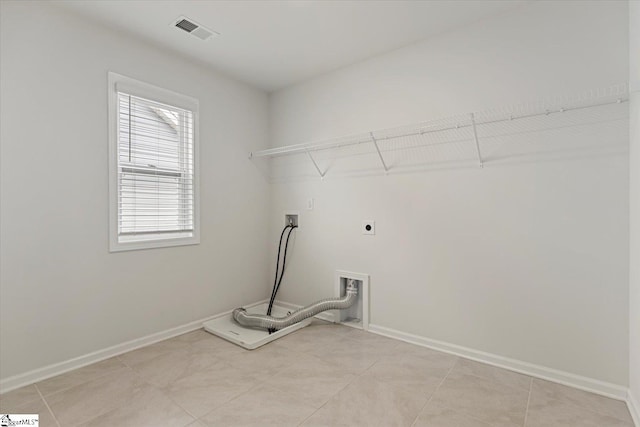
(153, 176)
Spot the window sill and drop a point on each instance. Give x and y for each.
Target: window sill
(134, 243)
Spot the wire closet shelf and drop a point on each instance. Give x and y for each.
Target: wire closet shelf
(598, 115)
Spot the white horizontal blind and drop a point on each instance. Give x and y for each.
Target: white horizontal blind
(155, 169)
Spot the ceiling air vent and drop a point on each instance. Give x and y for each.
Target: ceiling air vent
(194, 28)
(188, 26)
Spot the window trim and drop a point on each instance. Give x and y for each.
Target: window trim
(145, 90)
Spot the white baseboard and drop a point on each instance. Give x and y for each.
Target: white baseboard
(566, 378)
(583, 383)
(17, 381)
(634, 408)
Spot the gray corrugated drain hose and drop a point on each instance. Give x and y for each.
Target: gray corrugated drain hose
(241, 316)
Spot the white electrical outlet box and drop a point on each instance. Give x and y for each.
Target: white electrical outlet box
(368, 227)
(292, 218)
(310, 204)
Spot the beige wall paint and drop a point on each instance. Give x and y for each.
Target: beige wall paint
(526, 260)
(62, 293)
(634, 194)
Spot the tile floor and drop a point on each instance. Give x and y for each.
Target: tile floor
(322, 375)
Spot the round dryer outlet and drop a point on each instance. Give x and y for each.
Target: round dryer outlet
(368, 227)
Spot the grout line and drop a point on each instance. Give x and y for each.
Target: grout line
(225, 403)
(47, 405)
(526, 412)
(435, 391)
(470, 416)
(496, 382)
(123, 362)
(145, 383)
(321, 406)
(251, 388)
(446, 376)
(445, 406)
(180, 406)
(588, 409)
(361, 374)
(102, 375)
(328, 400)
(574, 381)
(3, 395)
(161, 390)
(332, 396)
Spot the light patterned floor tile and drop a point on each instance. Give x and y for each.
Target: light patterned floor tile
(261, 406)
(201, 392)
(498, 375)
(45, 417)
(309, 339)
(488, 401)
(148, 407)
(264, 361)
(18, 397)
(82, 403)
(416, 350)
(79, 376)
(217, 346)
(356, 351)
(367, 402)
(369, 337)
(312, 379)
(438, 416)
(324, 374)
(600, 404)
(352, 356)
(435, 359)
(420, 374)
(164, 370)
(152, 351)
(545, 411)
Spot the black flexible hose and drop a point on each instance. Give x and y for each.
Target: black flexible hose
(275, 280)
(284, 262)
(276, 285)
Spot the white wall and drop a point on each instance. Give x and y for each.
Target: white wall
(62, 293)
(525, 260)
(634, 194)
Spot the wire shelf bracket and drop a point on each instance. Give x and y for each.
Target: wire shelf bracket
(375, 143)
(322, 174)
(493, 127)
(475, 138)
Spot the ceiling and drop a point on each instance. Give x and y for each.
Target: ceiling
(274, 44)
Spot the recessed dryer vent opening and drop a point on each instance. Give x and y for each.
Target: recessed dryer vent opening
(356, 316)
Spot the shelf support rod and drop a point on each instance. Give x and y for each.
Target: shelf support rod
(375, 143)
(475, 137)
(315, 164)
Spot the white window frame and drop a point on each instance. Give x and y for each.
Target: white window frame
(118, 82)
